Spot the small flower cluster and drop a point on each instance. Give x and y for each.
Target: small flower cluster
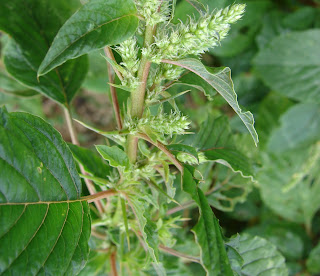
(129, 53)
(166, 124)
(153, 11)
(128, 50)
(195, 37)
(165, 72)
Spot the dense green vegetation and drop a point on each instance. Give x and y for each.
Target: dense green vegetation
(161, 168)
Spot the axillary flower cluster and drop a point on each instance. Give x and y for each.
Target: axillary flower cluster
(169, 41)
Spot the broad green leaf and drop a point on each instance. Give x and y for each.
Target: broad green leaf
(267, 121)
(95, 25)
(11, 86)
(116, 156)
(32, 26)
(290, 65)
(44, 226)
(220, 80)
(91, 162)
(207, 231)
(260, 257)
(290, 239)
(299, 126)
(313, 261)
(290, 184)
(300, 19)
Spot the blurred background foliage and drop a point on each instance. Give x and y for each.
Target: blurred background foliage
(274, 55)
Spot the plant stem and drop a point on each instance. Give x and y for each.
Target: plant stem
(113, 263)
(75, 141)
(178, 254)
(164, 150)
(137, 96)
(113, 91)
(100, 195)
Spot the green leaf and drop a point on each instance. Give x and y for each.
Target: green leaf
(220, 80)
(290, 184)
(11, 86)
(90, 161)
(193, 80)
(208, 234)
(116, 156)
(290, 238)
(185, 149)
(260, 257)
(290, 65)
(299, 126)
(147, 227)
(229, 189)
(44, 227)
(215, 140)
(267, 121)
(32, 26)
(313, 261)
(95, 25)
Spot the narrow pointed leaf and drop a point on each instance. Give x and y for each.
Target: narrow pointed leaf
(220, 80)
(208, 234)
(44, 227)
(32, 25)
(95, 25)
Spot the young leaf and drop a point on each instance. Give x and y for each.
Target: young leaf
(33, 25)
(220, 80)
(290, 65)
(95, 25)
(208, 234)
(116, 156)
(44, 227)
(260, 257)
